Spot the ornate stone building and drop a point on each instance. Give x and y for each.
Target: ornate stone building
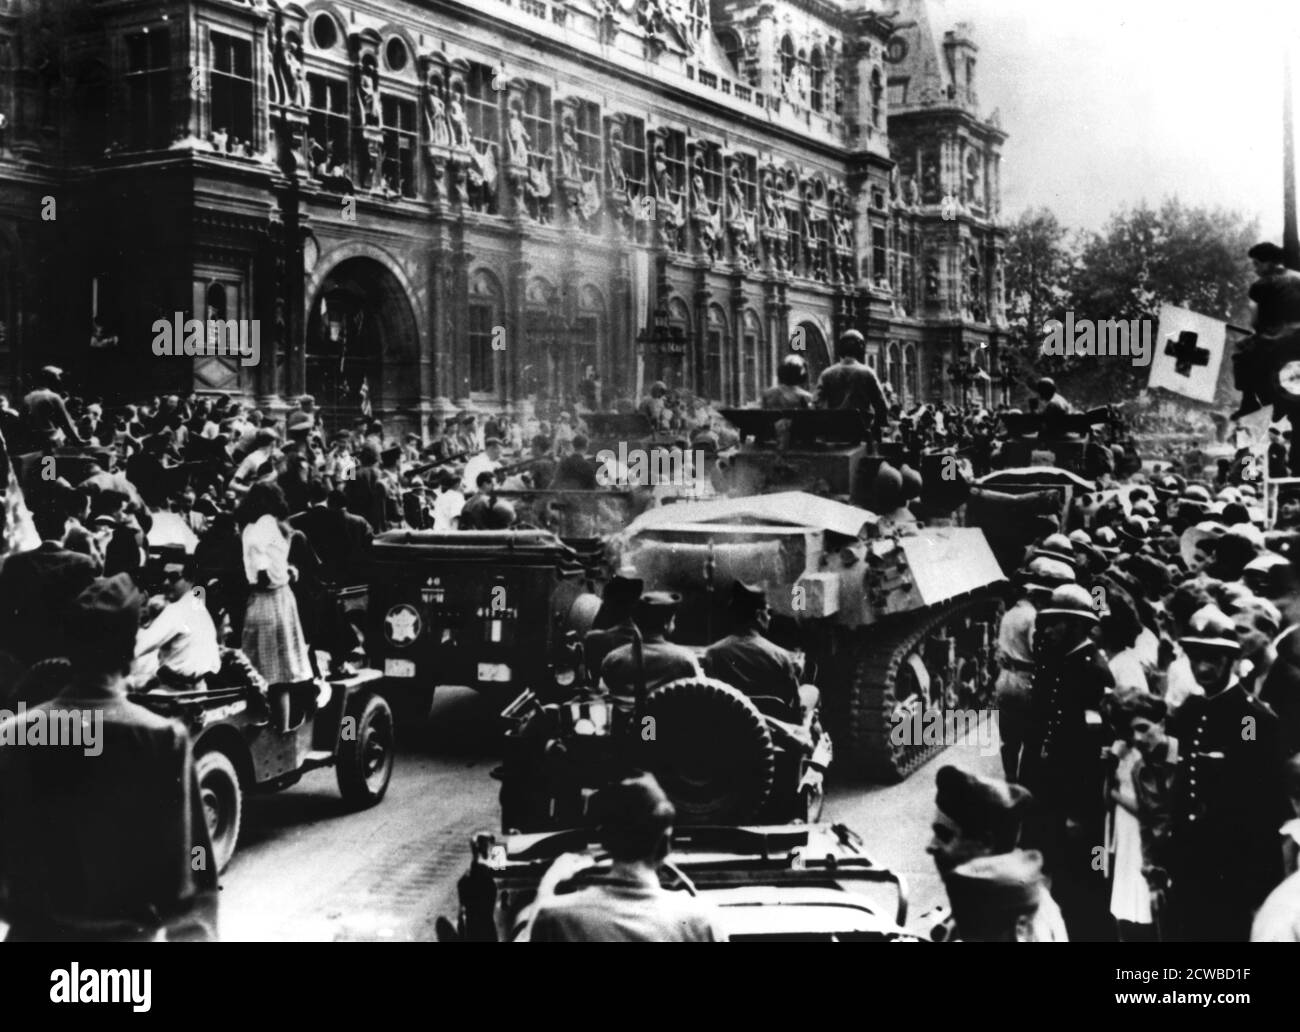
(493, 201)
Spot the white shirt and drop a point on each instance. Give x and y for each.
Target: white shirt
(184, 635)
(1179, 682)
(253, 461)
(266, 548)
(446, 509)
(478, 464)
(1126, 669)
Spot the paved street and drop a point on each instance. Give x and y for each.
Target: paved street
(308, 870)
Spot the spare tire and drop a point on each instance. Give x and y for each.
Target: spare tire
(710, 748)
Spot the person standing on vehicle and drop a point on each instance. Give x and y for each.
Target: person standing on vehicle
(48, 423)
(749, 662)
(661, 660)
(850, 383)
(790, 391)
(979, 817)
(272, 638)
(106, 841)
(629, 904)
(1275, 311)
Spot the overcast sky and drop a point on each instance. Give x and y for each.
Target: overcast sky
(1109, 102)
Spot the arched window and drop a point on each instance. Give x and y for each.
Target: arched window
(817, 79)
(753, 371)
(912, 380)
(714, 343)
(485, 333)
(787, 56)
(731, 46)
(895, 368)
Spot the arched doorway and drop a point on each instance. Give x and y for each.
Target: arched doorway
(815, 352)
(362, 352)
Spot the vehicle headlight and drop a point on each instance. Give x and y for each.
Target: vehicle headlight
(1289, 378)
(565, 676)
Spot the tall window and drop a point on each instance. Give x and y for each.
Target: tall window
(482, 332)
(483, 111)
(327, 125)
(879, 257)
(399, 145)
(539, 121)
(751, 359)
(715, 334)
(232, 88)
(674, 158)
(588, 133)
(787, 57)
(634, 154)
(817, 79)
(148, 69)
(731, 46)
(877, 95)
(794, 239)
(711, 169)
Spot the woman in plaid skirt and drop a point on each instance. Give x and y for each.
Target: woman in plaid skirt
(273, 637)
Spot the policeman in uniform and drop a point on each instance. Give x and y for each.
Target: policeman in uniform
(106, 840)
(1016, 656)
(661, 660)
(791, 382)
(1061, 765)
(748, 661)
(1229, 796)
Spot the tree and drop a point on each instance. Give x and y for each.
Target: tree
(1178, 255)
(1145, 257)
(1038, 261)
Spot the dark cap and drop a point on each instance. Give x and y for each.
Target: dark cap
(660, 600)
(981, 807)
(988, 893)
(1267, 251)
(623, 589)
(747, 599)
(109, 608)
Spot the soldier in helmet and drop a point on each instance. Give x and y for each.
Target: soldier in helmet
(791, 390)
(1061, 765)
(1054, 409)
(1016, 657)
(850, 383)
(1229, 797)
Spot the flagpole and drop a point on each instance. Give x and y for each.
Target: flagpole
(1290, 235)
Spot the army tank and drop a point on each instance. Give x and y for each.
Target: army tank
(897, 621)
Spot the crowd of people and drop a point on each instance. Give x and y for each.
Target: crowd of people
(1149, 712)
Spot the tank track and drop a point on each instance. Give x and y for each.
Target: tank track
(862, 707)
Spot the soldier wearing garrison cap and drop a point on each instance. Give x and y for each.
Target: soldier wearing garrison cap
(106, 840)
(747, 660)
(613, 624)
(1229, 796)
(998, 898)
(660, 660)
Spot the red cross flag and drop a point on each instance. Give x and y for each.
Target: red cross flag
(1189, 350)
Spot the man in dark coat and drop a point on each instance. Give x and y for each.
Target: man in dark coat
(662, 661)
(365, 491)
(613, 625)
(850, 383)
(36, 588)
(102, 836)
(1229, 796)
(1061, 764)
(747, 660)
